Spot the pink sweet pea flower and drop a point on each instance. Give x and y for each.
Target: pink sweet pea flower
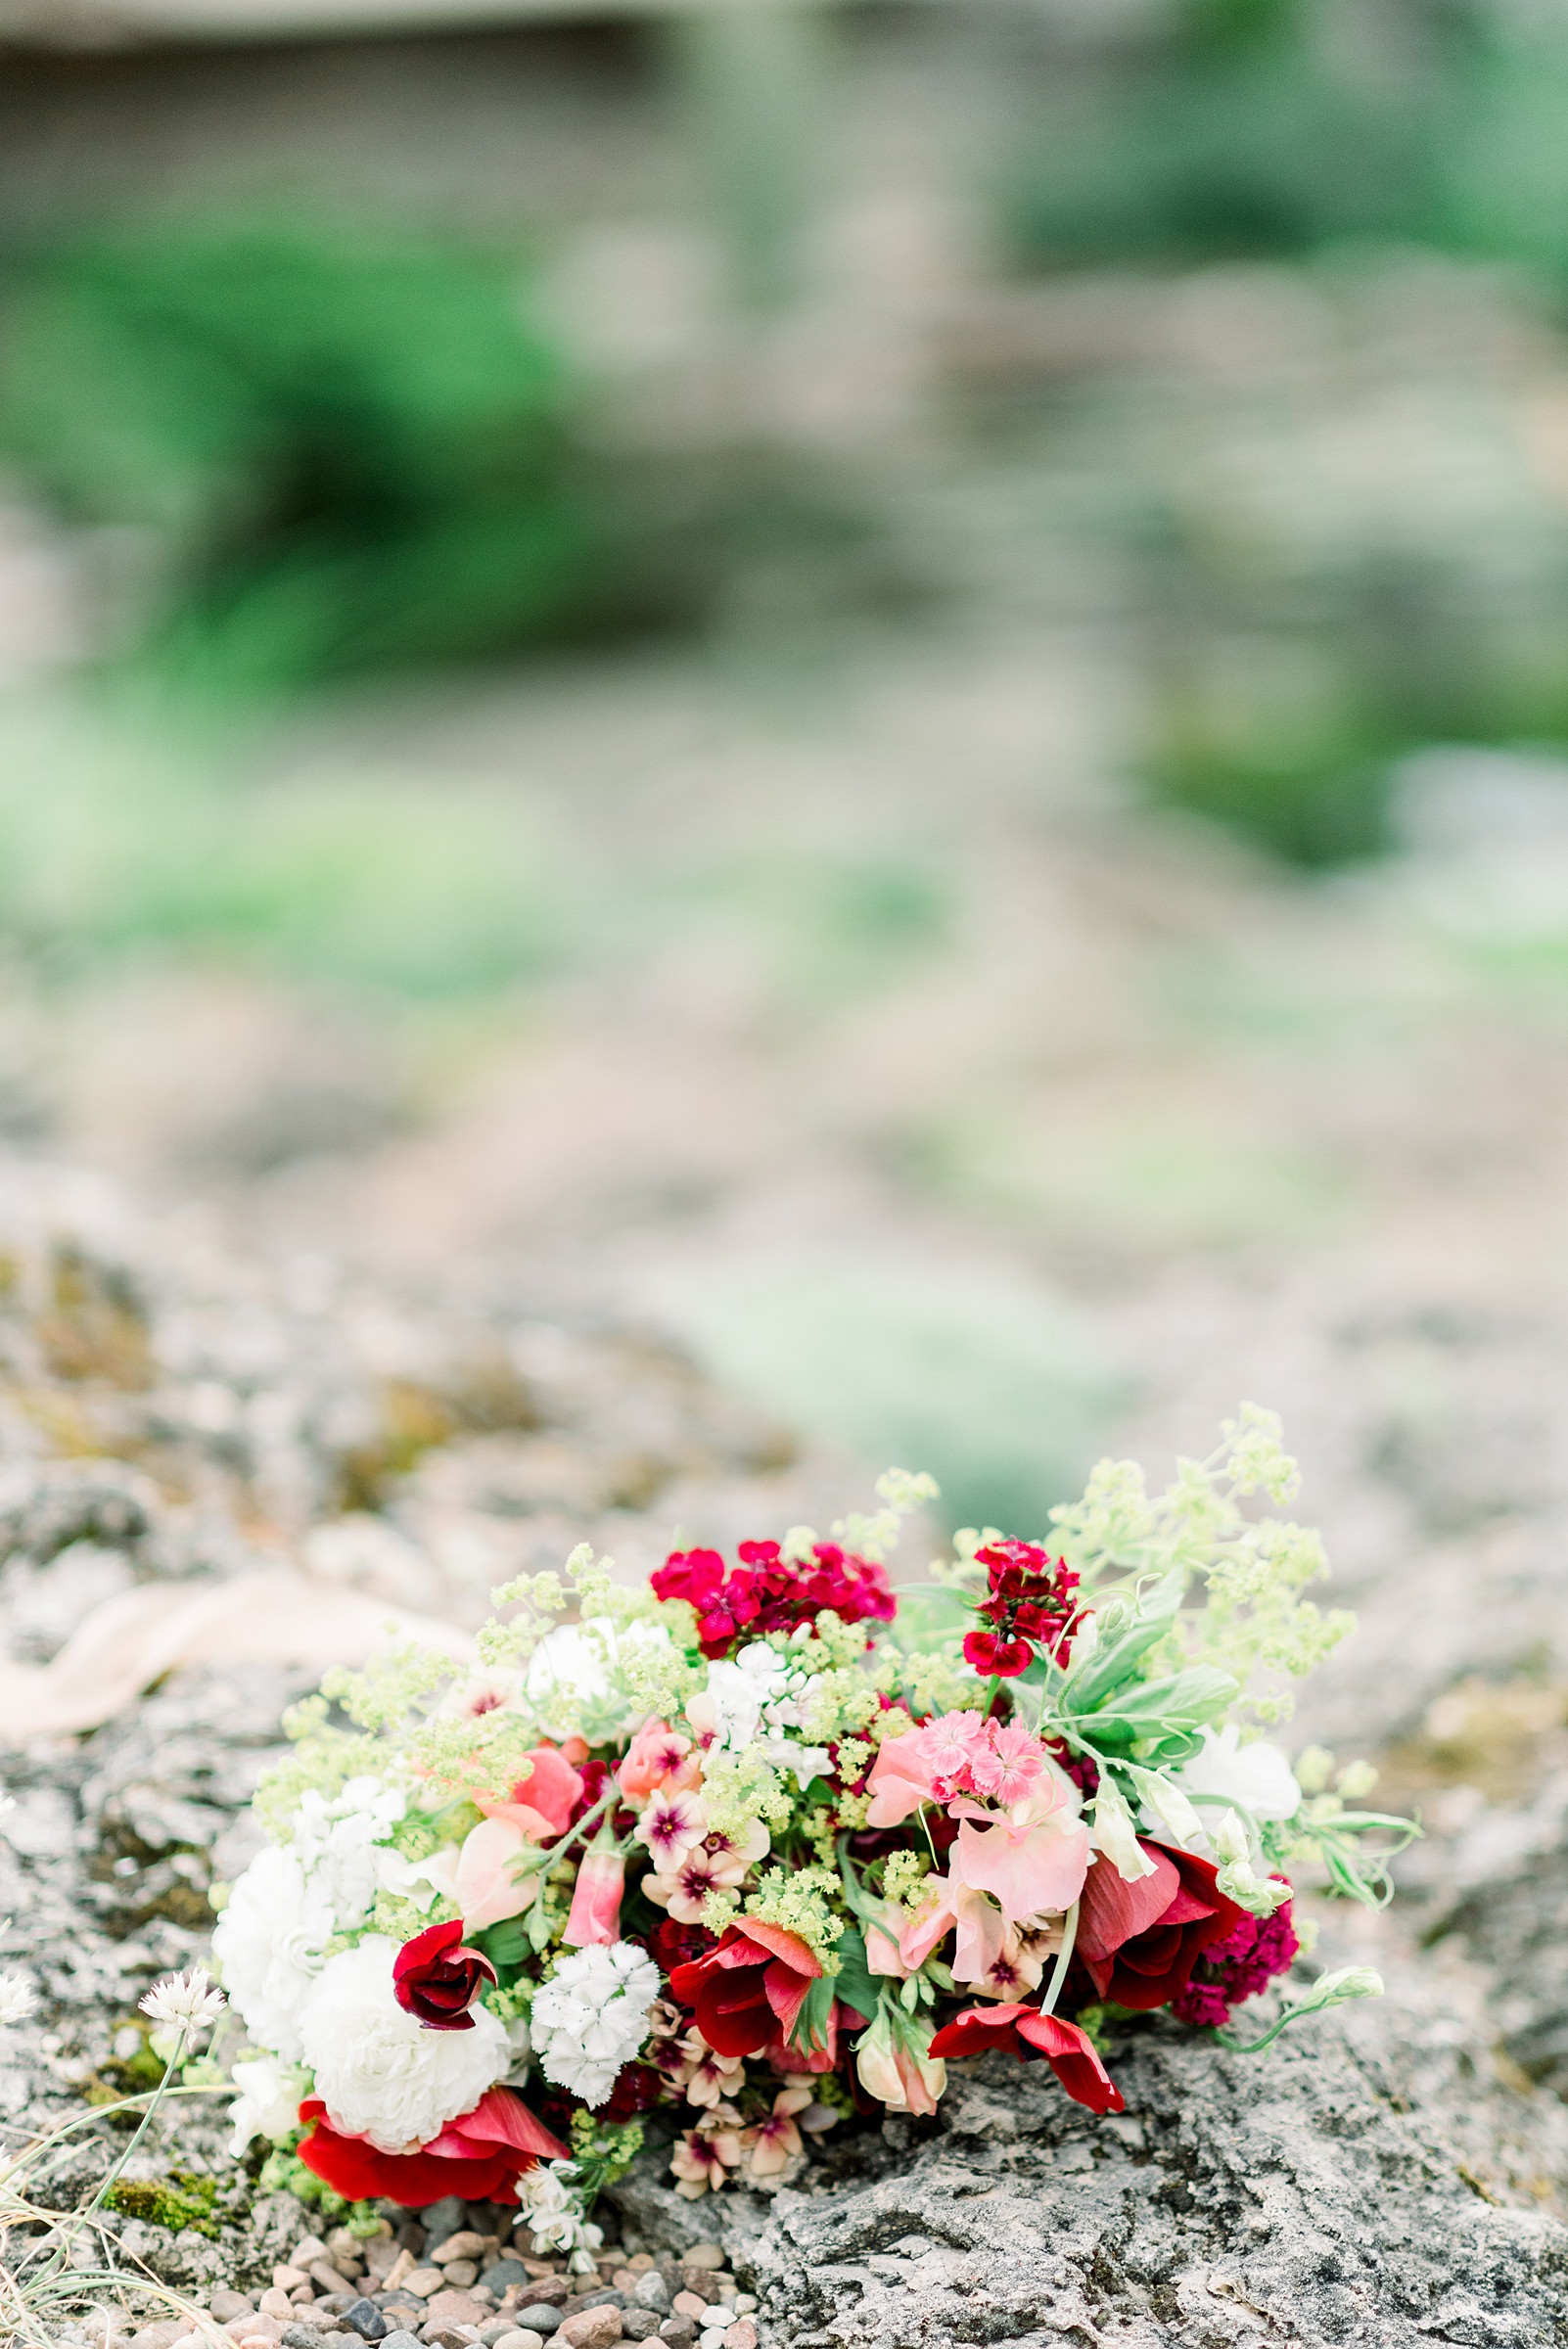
(901, 1779)
(895, 2065)
(542, 1803)
(480, 1878)
(976, 1923)
(596, 1899)
(1034, 1858)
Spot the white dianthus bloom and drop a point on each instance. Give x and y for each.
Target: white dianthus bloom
(268, 2102)
(757, 1697)
(379, 2072)
(340, 1845)
(270, 1942)
(1256, 1777)
(591, 2018)
(18, 1999)
(186, 2004)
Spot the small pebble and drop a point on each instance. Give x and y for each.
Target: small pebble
(678, 2330)
(309, 2247)
(465, 2244)
(462, 2272)
(703, 2255)
(301, 2336)
(742, 2335)
(651, 2291)
(640, 2324)
(592, 2327)
(542, 2314)
(423, 2282)
(400, 2340)
(745, 2303)
(522, 2336)
(225, 2305)
(366, 2319)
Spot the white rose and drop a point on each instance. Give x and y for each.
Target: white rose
(379, 2072)
(270, 1942)
(1256, 1777)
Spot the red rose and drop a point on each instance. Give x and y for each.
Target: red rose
(1069, 2051)
(478, 2158)
(1140, 1942)
(749, 1988)
(436, 1979)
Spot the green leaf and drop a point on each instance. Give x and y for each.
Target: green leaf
(855, 1983)
(1116, 1663)
(1160, 1712)
(810, 2035)
(505, 1945)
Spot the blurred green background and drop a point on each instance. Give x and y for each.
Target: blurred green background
(856, 674)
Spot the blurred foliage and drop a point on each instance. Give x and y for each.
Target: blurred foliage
(323, 449)
(1236, 127)
(997, 1391)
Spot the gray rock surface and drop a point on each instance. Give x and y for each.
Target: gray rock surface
(1327, 2192)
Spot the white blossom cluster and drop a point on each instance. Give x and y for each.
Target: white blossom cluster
(757, 1699)
(591, 2018)
(553, 2203)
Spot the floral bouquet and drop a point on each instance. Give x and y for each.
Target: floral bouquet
(771, 1843)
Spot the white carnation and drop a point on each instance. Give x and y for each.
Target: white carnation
(591, 2018)
(268, 2102)
(270, 1942)
(379, 2072)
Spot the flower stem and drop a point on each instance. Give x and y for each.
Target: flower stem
(1064, 1959)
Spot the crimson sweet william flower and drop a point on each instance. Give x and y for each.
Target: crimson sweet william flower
(749, 1988)
(769, 1592)
(478, 2158)
(1070, 2052)
(994, 1657)
(436, 1979)
(1141, 1941)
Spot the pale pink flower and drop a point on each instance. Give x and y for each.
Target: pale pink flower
(901, 1779)
(672, 1827)
(481, 1877)
(596, 1899)
(733, 1854)
(1019, 1964)
(684, 1893)
(976, 1924)
(1034, 1858)
(953, 1742)
(776, 2139)
(883, 1924)
(1007, 1766)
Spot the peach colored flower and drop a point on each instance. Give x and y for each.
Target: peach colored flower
(541, 1804)
(976, 1922)
(659, 1757)
(706, 2155)
(697, 2073)
(776, 2139)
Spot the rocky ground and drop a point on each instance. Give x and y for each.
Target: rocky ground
(174, 1414)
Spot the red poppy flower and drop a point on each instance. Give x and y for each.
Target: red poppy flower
(1140, 1942)
(478, 2158)
(1070, 2052)
(436, 1979)
(749, 1988)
